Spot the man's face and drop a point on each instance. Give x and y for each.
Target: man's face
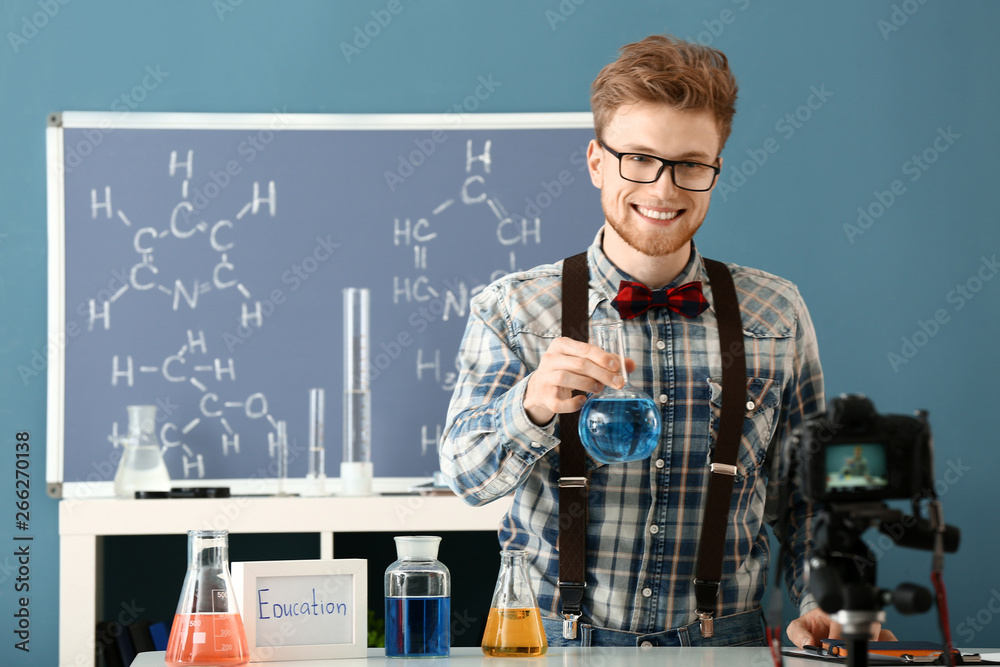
(656, 219)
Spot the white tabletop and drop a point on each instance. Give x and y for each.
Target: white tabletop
(564, 657)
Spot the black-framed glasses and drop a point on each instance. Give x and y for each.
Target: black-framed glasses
(642, 168)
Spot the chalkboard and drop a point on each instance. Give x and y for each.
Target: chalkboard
(197, 263)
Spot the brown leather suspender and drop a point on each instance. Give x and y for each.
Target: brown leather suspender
(708, 574)
(572, 460)
(572, 467)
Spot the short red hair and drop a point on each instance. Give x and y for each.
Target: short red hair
(662, 69)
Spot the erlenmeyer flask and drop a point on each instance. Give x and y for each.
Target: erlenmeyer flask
(141, 467)
(618, 424)
(514, 626)
(207, 629)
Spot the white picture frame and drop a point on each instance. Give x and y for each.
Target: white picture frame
(303, 609)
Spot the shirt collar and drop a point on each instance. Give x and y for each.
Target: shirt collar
(605, 277)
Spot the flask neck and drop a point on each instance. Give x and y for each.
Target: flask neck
(208, 549)
(511, 559)
(142, 425)
(610, 337)
(513, 590)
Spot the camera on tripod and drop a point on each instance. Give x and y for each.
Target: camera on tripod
(853, 454)
(850, 460)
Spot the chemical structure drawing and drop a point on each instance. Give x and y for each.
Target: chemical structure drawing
(192, 362)
(511, 230)
(210, 280)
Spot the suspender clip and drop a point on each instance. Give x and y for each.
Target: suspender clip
(707, 623)
(571, 593)
(570, 625)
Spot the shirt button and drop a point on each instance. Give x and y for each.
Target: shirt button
(750, 405)
(660, 345)
(535, 445)
(659, 463)
(646, 644)
(664, 398)
(654, 529)
(646, 592)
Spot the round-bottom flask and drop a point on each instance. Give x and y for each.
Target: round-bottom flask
(207, 629)
(141, 467)
(417, 601)
(618, 425)
(514, 626)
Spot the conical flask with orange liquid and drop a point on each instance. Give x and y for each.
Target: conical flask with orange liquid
(514, 626)
(207, 629)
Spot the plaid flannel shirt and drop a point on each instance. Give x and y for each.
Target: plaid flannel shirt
(644, 517)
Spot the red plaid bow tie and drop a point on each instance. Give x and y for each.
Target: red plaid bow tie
(634, 299)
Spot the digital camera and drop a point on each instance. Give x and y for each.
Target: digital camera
(853, 454)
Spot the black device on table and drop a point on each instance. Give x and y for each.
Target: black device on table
(850, 460)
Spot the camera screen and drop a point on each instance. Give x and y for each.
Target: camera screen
(856, 466)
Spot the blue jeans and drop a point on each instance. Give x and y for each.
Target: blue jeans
(744, 629)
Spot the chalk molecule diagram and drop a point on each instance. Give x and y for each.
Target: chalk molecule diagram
(192, 362)
(223, 411)
(511, 230)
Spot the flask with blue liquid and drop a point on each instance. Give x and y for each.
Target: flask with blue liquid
(417, 600)
(618, 425)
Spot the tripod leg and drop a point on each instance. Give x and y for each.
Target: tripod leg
(857, 651)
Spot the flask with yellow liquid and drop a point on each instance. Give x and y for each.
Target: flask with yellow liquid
(514, 626)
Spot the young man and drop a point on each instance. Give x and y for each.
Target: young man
(662, 113)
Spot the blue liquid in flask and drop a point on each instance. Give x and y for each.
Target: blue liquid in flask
(619, 429)
(416, 627)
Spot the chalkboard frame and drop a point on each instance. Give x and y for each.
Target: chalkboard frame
(58, 335)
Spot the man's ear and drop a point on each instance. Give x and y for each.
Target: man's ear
(595, 156)
(719, 177)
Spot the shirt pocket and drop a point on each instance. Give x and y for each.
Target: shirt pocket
(760, 409)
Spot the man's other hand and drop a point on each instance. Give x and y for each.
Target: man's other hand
(815, 625)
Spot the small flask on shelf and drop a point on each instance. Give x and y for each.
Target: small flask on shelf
(514, 625)
(417, 601)
(141, 467)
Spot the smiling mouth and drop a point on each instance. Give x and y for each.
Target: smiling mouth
(657, 215)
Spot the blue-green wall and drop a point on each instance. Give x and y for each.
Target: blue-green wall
(894, 76)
